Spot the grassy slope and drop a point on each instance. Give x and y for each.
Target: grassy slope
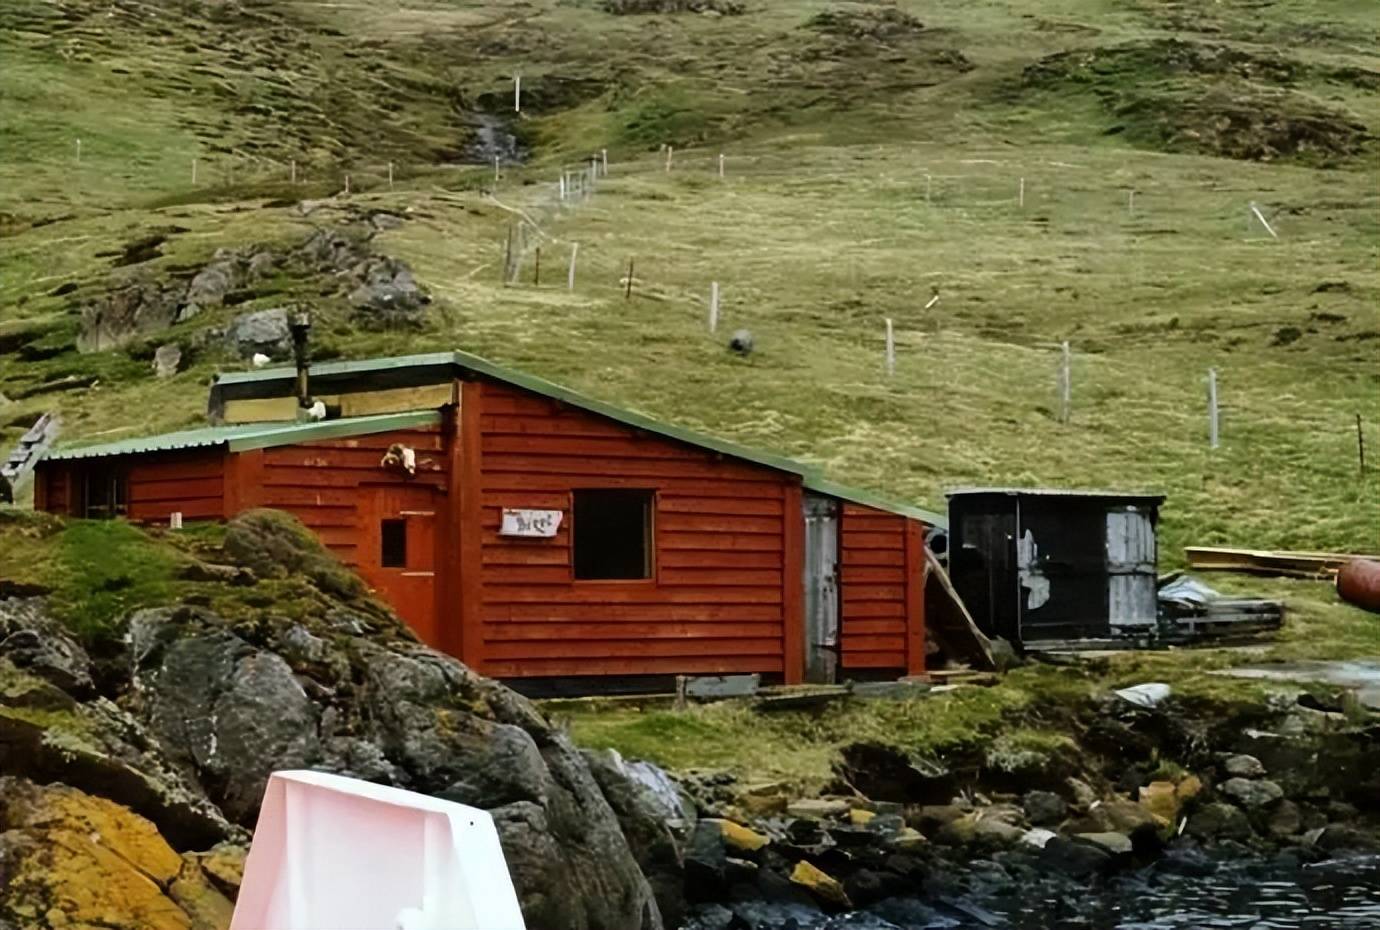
(820, 231)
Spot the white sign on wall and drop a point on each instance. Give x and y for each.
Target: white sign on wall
(533, 523)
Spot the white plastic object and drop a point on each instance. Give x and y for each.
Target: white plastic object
(336, 853)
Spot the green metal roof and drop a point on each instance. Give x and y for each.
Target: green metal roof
(879, 501)
(249, 436)
(813, 480)
(537, 386)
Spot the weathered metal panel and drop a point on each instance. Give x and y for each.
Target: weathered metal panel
(1131, 557)
(821, 588)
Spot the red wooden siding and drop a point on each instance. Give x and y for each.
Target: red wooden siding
(157, 484)
(720, 593)
(319, 481)
(880, 578)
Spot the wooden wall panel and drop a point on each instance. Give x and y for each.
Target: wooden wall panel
(875, 585)
(190, 482)
(719, 598)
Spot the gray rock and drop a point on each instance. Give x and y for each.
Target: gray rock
(1251, 793)
(1285, 820)
(1115, 844)
(657, 820)
(263, 331)
(47, 652)
(1079, 860)
(1082, 793)
(128, 312)
(167, 359)
(1243, 766)
(1217, 820)
(209, 286)
(1044, 808)
(234, 715)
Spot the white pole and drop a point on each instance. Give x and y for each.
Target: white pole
(347, 184)
(517, 93)
(1022, 193)
(713, 306)
(669, 150)
(570, 275)
(562, 185)
(890, 349)
(495, 169)
(604, 157)
(1263, 222)
(79, 151)
(294, 171)
(193, 172)
(721, 164)
(1212, 408)
(1131, 202)
(593, 169)
(1065, 383)
(927, 187)
(390, 175)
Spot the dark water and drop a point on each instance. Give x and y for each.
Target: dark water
(1250, 894)
(1341, 894)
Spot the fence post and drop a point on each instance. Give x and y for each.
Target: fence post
(390, 175)
(1065, 383)
(721, 164)
(347, 185)
(1360, 444)
(1263, 222)
(536, 269)
(669, 152)
(517, 93)
(495, 168)
(570, 274)
(890, 349)
(508, 256)
(604, 156)
(1021, 196)
(194, 172)
(1212, 409)
(713, 306)
(292, 171)
(79, 151)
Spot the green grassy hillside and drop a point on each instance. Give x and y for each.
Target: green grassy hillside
(874, 154)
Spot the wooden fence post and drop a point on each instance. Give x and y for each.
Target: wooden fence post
(713, 306)
(627, 293)
(570, 274)
(1065, 383)
(890, 349)
(1212, 409)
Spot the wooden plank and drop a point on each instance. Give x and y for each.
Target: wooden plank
(626, 630)
(208, 508)
(727, 506)
(521, 425)
(713, 523)
(649, 648)
(718, 485)
(873, 660)
(538, 500)
(604, 447)
(260, 410)
(647, 665)
(693, 558)
(877, 524)
(287, 497)
(321, 517)
(576, 612)
(863, 610)
(326, 476)
(890, 541)
(589, 470)
(895, 626)
(851, 509)
(396, 400)
(863, 575)
(171, 490)
(872, 642)
(526, 555)
(792, 584)
(528, 574)
(364, 460)
(716, 542)
(873, 592)
(499, 400)
(469, 483)
(860, 558)
(719, 576)
(915, 598)
(633, 593)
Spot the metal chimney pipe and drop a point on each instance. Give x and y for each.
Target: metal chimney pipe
(300, 328)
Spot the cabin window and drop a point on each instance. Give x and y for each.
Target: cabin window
(613, 535)
(104, 495)
(393, 537)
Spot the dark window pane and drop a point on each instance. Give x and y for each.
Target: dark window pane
(103, 495)
(613, 534)
(394, 535)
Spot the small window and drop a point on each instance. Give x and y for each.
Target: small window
(104, 495)
(613, 535)
(393, 535)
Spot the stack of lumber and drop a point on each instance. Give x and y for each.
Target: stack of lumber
(1266, 562)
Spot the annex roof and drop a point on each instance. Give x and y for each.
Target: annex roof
(249, 436)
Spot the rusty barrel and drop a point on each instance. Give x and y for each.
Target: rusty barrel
(1358, 583)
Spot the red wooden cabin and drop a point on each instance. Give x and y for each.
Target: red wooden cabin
(539, 534)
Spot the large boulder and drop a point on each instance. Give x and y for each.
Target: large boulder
(261, 332)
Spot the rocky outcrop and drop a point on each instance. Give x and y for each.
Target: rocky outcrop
(380, 290)
(208, 706)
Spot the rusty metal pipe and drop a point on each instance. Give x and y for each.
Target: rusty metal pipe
(1358, 582)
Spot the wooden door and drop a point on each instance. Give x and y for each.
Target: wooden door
(398, 556)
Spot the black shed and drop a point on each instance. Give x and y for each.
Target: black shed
(1043, 565)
